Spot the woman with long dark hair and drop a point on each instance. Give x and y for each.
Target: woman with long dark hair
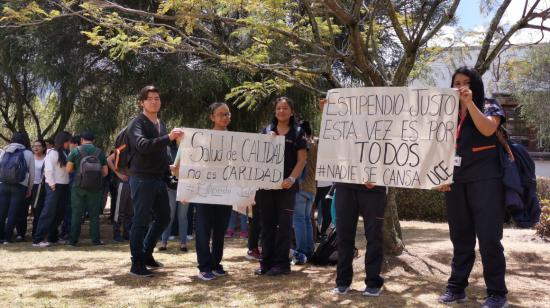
(475, 206)
(16, 176)
(38, 190)
(277, 206)
(57, 192)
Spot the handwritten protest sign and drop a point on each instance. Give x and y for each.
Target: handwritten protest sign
(391, 136)
(221, 167)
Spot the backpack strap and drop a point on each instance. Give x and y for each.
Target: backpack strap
(81, 151)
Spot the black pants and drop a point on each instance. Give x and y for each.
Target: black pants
(212, 222)
(37, 203)
(276, 210)
(477, 209)
(122, 210)
(350, 203)
(254, 227)
(151, 215)
(324, 204)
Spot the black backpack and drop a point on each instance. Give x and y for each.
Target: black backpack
(89, 175)
(122, 157)
(327, 251)
(13, 167)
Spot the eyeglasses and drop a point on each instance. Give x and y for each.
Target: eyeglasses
(224, 115)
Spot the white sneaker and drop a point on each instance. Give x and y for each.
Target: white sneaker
(189, 237)
(5, 243)
(42, 244)
(341, 290)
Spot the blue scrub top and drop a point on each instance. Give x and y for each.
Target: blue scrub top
(479, 154)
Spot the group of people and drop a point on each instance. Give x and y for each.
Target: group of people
(474, 201)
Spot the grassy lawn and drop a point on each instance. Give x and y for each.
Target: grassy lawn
(62, 276)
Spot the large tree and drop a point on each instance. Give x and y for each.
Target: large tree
(310, 44)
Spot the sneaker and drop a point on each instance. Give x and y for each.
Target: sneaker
(206, 276)
(341, 290)
(278, 271)
(261, 271)
(452, 298)
(184, 248)
(189, 237)
(42, 244)
(171, 238)
(299, 258)
(229, 233)
(254, 254)
(495, 301)
(5, 242)
(59, 242)
(372, 291)
(139, 269)
(243, 234)
(100, 243)
(219, 272)
(19, 239)
(151, 262)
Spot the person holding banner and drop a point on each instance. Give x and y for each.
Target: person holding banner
(211, 220)
(475, 206)
(148, 168)
(277, 206)
(370, 202)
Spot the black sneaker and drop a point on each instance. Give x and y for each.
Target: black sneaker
(151, 262)
(452, 298)
(495, 301)
(139, 269)
(277, 271)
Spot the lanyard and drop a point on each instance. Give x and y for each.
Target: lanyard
(459, 128)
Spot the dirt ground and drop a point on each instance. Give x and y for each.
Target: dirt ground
(63, 276)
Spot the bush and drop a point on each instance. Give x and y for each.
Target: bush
(421, 204)
(543, 188)
(543, 227)
(429, 205)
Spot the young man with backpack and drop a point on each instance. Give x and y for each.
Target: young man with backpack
(16, 180)
(148, 169)
(90, 166)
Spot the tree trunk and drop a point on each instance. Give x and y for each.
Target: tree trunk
(393, 238)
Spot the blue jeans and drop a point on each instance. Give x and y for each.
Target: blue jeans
(242, 219)
(176, 210)
(12, 198)
(52, 214)
(151, 215)
(303, 229)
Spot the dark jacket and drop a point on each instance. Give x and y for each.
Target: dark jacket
(147, 151)
(520, 186)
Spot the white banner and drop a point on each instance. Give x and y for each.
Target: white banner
(391, 136)
(222, 167)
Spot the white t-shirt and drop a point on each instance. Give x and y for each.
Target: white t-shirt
(54, 173)
(38, 164)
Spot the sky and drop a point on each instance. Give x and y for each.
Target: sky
(470, 18)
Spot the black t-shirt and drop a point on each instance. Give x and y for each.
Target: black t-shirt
(295, 140)
(478, 153)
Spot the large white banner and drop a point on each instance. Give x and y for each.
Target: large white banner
(222, 167)
(391, 136)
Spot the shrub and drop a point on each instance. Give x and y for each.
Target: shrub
(421, 204)
(543, 227)
(543, 188)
